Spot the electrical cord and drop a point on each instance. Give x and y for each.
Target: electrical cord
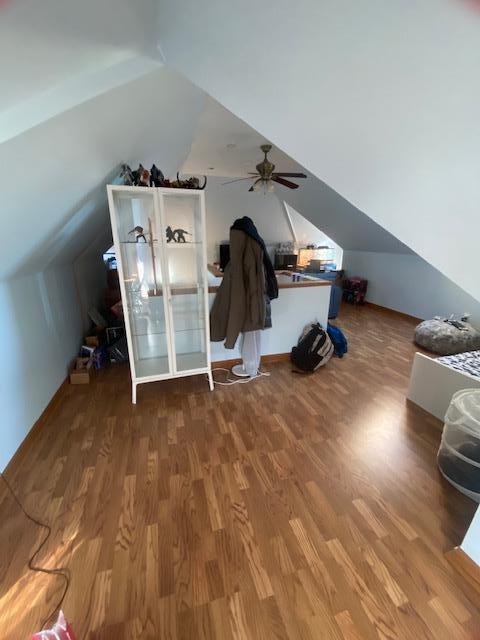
(64, 573)
(229, 381)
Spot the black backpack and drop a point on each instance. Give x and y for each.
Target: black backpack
(314, 349)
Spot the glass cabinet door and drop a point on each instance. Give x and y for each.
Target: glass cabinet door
(139, 239)
(184, 244)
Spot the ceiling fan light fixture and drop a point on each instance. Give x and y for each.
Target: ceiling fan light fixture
(265, 175)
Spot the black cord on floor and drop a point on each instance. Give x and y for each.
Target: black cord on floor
(55, 572)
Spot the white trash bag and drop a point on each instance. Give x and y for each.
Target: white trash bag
(459, 453)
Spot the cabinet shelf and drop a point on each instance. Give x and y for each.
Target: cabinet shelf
(179, 245)
(175, 291)
(142, 334)
(193, 360)
(140, 243)
(148, 367)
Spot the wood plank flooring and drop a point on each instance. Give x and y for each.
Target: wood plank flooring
(295, 506)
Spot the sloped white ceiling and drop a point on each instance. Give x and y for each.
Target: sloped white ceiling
(224, 145)
(340, 220)
(53, 176)
(378, 99)
(45, 43)
(58, 54)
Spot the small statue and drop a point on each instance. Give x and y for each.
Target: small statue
(143, 177)
(170, 235)
(136, 175)
(176, 235)
(127, 175)
(189, 183)
(179, 235)
(157, 178)
(138, 231)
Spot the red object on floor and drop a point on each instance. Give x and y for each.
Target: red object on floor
(355, 290)
(61, 630)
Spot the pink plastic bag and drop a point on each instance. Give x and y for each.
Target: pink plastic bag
(61, 630)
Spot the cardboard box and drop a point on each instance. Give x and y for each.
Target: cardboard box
(81, 371)
(95, 337)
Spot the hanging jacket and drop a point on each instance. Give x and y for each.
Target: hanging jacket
(239, 305)
(246, 224)
(268, 313)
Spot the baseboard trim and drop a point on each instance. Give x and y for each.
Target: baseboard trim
(465, 566)
(435, 422)
(267, 359)
(17, 457)
(394, 312)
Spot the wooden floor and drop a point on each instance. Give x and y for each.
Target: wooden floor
(291, 507)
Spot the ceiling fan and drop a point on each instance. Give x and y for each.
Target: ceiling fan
(266, 175)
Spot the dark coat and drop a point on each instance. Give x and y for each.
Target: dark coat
(239, 305)
(246, 224)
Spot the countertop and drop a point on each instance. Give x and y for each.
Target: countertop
(284, 279)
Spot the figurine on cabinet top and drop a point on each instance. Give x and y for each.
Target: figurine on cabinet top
(141, 177)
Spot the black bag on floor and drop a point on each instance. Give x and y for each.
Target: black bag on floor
(314, 349)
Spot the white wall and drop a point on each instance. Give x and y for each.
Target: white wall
(91, 279)
(54, 192)
(291, 312)
(40, 332)
(377, 99)
(408, 284)
(53, 208)
(225, 203)
(61, 43)
(306, 232)
(471, 542)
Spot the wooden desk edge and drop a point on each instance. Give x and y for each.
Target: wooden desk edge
(314, 282)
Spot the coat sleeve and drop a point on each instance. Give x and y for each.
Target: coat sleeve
(219, 310)
(237, 307)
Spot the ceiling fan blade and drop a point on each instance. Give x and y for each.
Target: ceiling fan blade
(256, 182)
(289, 175)
(286, 183)
(236, 180)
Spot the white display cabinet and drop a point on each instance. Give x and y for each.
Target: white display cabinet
(160, 243)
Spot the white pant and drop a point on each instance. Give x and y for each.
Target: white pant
(250, 348)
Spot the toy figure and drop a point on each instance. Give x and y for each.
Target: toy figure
(189, 183)
(170, 235)
(157, 178)
(138, 231)
(143, 177)
(180, 235)
(176, 235)
(127, 175)
(136, 175)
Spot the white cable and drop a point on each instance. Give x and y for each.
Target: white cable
(229, 381)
